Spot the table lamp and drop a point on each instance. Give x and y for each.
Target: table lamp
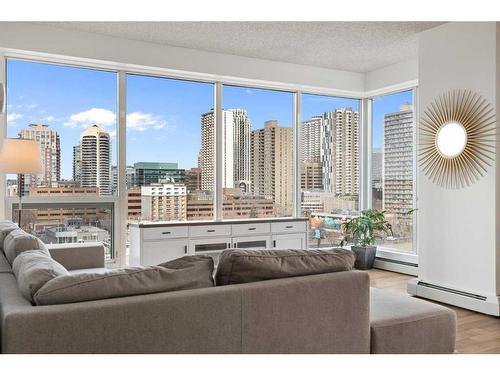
(21, 156)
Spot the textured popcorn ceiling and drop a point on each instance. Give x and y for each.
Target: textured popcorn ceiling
(353, 46)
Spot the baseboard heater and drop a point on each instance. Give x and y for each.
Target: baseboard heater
(397, 262)
(454, 291)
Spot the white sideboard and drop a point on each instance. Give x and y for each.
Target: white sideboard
(152, 243)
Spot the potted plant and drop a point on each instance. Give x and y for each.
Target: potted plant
(362, 231)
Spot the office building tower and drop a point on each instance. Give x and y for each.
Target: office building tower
(147, 173)
(50, 156)
(271, 165)
(163, 201)
(95, 150)
(398, 161)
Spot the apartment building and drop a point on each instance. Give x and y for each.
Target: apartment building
(50, 155)
(271, 165)
(163, 201)
(95, 154)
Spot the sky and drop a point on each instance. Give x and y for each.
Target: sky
(163, 115)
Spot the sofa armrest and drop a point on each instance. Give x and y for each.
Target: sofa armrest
(75, 256)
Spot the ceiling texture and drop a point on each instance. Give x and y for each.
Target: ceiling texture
(353, 46)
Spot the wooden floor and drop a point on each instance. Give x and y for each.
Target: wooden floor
(477, 333)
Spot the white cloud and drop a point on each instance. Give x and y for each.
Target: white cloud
(48, 119)
(141, 121)
(99, 116)
(12, 117)
(136, 121)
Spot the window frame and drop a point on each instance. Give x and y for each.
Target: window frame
(386, 252)
(119, 201)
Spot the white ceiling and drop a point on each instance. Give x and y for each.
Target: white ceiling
(353, 46)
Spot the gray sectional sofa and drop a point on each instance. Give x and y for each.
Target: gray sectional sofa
(324, 313)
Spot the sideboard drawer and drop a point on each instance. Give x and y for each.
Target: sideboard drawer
(159, 233)
(288, 227)
(209, 230)
(257, 228)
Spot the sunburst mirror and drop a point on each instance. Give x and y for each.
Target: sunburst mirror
(457, 139)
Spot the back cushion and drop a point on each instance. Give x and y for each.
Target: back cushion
(33, 268)
(245, 266)
(5, 228)
(184, 273)
(18, 241)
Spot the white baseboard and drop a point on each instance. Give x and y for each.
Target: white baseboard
(484, 304)
(400, 267)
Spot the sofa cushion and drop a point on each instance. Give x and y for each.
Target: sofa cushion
(18, 241)
(195, 272)
(5, 266)
(245, 266)
(33, 268)
(5, 229)
(400, 324)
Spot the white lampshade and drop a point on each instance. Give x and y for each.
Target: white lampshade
(20, 156)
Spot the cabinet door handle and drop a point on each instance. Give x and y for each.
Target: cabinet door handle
(228, 246)
(185, 249)
(165, 232)
(274, 243)
(252, 228)
(289, 226)
(210, 230)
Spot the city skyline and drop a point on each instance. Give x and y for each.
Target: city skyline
(158, 109)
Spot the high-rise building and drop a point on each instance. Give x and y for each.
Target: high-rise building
(310, 176)
(398, 162)
(95, 152)
(377, 178)
(163, 201)
(50, 156)
(236, 128)
(271, 165)
(242, 128)
(340, 152)
(206, 158)
(147, 173)
(77, 163)
(311, 139)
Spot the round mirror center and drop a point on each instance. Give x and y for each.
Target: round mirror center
(451, 139)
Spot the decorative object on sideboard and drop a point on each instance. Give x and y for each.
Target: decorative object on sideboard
(362, 231)
(21, 156)
(457, 139)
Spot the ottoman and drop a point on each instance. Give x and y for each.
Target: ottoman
(404, 324)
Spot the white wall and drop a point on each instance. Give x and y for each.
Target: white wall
(458, 245)
(52, 40)
(392, 76)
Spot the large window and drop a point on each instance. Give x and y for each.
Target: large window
(170, 149)
(172, 135)
(71, 114)
(329, 165)
(257, 151)
(392, 168)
